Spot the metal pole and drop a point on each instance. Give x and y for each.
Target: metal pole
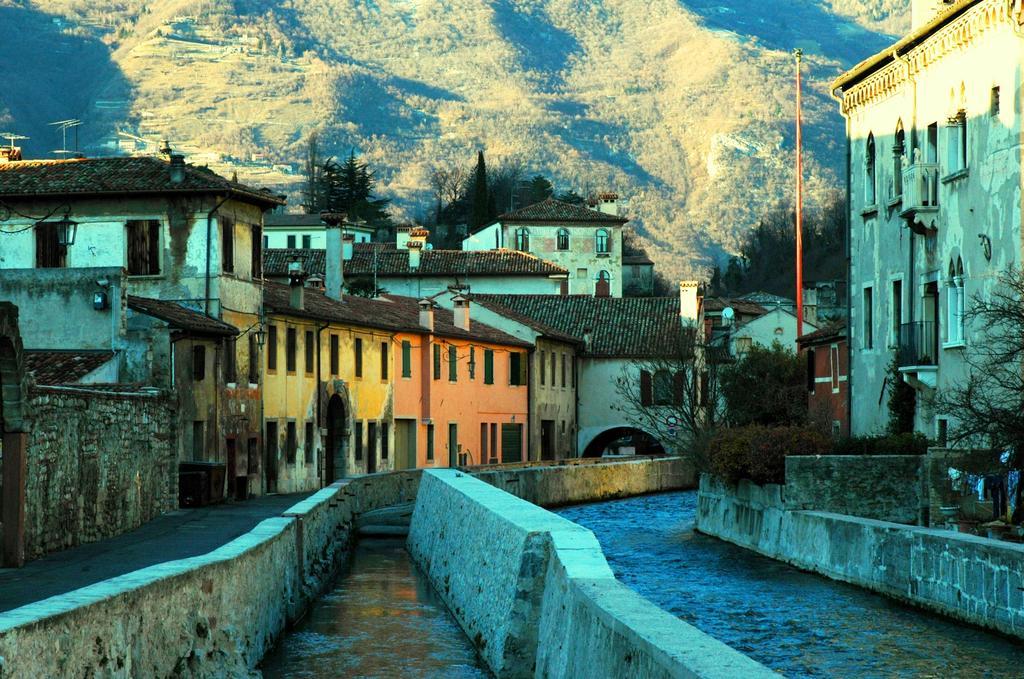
(799, 204)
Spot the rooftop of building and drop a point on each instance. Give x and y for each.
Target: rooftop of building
(286, 220)
(833, 332)
(180, 317)
(552, 211)
(387, 260)
(390, 313)
(617, 327)
(117, 176)
(740, 306)
(52, 367)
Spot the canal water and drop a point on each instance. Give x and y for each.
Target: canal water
(382, 619)
(796, 623)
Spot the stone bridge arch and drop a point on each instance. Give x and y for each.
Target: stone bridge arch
(647, 443)
(14, 431)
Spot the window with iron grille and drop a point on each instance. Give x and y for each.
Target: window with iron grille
(143, 238)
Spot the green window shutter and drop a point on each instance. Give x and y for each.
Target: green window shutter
(453, 364)
(488, 366)
(406, 359)
(513, 368)
(437, 361)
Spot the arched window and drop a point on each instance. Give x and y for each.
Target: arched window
(899, 152)
(663, 387)
(604, 284)
(563, 239)
(601, 242)
(523, 239)
(955, 299)
(870, 197)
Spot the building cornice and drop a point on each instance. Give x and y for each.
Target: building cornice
(882, 75)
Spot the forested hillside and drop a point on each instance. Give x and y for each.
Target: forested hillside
(683, 106)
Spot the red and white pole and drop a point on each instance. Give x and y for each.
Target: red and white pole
(799, 203)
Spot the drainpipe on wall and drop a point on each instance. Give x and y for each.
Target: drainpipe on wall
(321, 456)
(209, 248)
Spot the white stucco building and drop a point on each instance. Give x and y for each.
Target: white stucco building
(586, 242)
(305, 231)
(934, 130)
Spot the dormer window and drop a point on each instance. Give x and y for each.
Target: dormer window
(563, 239)
(601, 242)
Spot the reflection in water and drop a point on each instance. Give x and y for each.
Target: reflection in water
(797, 623)
(382, 619)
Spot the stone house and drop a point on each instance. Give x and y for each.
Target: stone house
(552, 378)
(409, 268)
(827, 356)
(774, 325)
(933, 136)
(95, 232)
(586, 242)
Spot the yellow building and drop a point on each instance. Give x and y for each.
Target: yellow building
(328, 387)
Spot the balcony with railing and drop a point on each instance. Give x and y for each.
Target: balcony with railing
(920, 192)
(917, 358)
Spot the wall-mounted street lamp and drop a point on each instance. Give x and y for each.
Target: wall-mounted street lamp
(66, 230)
(261, 336)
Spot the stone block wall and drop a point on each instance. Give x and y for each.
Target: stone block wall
(535, 594)
(883, 487)
(99, 464)
(565, 484)
(963, 576)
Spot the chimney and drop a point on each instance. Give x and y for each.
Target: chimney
(427, 314)
(297, 283)
(177, 168)
(10, 154)
(688, 306)
(348, 244)
(402, 237)
(334, 276)
(414, 254)
(165, 148)
(461, 312)
(608, 203)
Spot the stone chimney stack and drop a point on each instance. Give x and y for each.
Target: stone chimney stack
(414, 254)
(402, 237)
(297, 284)
(348, 244)
(607, 203)
(461, 312)
(177, 168)
(427, 314)
(689, 307)
(334, 276)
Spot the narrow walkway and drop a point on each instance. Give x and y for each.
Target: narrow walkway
(175, 535)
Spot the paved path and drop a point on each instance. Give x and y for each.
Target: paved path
(175, 535)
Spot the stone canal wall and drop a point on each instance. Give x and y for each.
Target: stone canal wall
(967, 577)
(207, 616)
(534, 593)
(555, 485)
(883, 487)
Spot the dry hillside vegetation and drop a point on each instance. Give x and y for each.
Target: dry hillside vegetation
(685, 107)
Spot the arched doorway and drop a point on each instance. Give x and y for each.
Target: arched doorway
(13, 439)
(623, 439)
(337, 440)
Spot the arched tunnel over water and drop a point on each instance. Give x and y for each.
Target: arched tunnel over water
(383, 620)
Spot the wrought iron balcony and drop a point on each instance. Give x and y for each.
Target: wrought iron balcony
(919, 345)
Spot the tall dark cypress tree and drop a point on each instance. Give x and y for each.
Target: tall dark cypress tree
(480, 210)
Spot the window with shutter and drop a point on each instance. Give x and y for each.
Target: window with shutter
(384, 361)
(513, 368)
(488, 366)
(272, 348)
(437, 361)
(290, 349)
(453, 364)
(646, 397)
(358, 356)
(50, 254)
(309, 351)
(227, 251)
(143, 238)
(406, 358)
(256, 245)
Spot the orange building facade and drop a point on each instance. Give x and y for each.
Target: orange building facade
(461, 392)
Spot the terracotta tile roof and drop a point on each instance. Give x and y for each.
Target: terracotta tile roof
(276, 260)
(63, 367)
(519, 317)
(390, 261)
(181, 318)
(627, 327)
(116, 176)
(394, 313)
(553, 211)
(636, 259)
(830, 333)
(300, 220)
(740, 306)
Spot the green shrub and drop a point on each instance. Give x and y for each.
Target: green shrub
(759, 453)
(885, 444)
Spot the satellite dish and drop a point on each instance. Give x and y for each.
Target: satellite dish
(728, 314)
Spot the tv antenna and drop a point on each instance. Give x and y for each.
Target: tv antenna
(11, 137)
(65, 125)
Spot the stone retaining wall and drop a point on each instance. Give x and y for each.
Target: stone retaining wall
(213, 615)
(534, 593)
(966, 577)
(555, 485)
(883, 487)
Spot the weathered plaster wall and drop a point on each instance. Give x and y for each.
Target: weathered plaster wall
(99, 464)
(601, 406)
(574, 483)
(213, 615)
(963, 576)
(535, 594)
(883, 487)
